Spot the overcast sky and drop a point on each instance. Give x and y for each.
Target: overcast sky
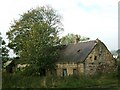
(90, 18)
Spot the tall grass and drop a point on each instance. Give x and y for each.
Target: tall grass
(20, 81)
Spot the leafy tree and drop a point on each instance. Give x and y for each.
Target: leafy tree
(3, 50)
(70, 38)
(0, 44)
(0, 48)
(118, 51)
(5, 55)
(34, 36)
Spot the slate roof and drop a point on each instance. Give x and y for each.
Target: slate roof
(76, 52)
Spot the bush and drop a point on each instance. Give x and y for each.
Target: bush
(28, 71)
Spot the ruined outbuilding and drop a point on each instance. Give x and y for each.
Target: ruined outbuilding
(84, 58)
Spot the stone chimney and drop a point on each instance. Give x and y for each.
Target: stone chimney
(76, 39)
(97, 40)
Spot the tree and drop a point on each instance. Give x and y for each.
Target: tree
(3, 50)
(5, 55)
(0, 45)
(34, 36)
(118, 51)
(70, 38)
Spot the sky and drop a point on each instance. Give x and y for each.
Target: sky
(90, 18)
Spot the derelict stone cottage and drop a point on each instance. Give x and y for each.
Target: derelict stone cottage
(84, 58)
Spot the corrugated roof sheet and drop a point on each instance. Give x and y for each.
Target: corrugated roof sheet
(76, 52)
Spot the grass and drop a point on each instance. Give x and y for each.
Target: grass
(19, 81)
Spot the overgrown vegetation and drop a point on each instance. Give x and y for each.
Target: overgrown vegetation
(3, 50)
(97, 81)
(70, 38)
(118, 73)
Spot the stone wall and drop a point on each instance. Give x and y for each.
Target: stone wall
(100, 59)
(69, 67)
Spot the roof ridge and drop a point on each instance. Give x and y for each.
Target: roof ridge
(83, 42)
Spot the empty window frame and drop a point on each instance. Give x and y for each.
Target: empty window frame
(95, 58)
(64, 72)
(74, 71)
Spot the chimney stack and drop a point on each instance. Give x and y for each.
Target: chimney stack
(76, 39)
(97, 40)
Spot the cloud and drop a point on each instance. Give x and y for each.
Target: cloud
(92, 18)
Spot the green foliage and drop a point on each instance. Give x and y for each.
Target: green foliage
(0, 40)
(34, 36)
(18, 81)
(0, 43)
(118, 73)
(28, 71)
(3, 50)
(70, 38)
(22, 81)
(118, 51)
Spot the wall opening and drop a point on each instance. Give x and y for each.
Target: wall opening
(74, 71)
(79, 50)
(64, 72)
(95, 58)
